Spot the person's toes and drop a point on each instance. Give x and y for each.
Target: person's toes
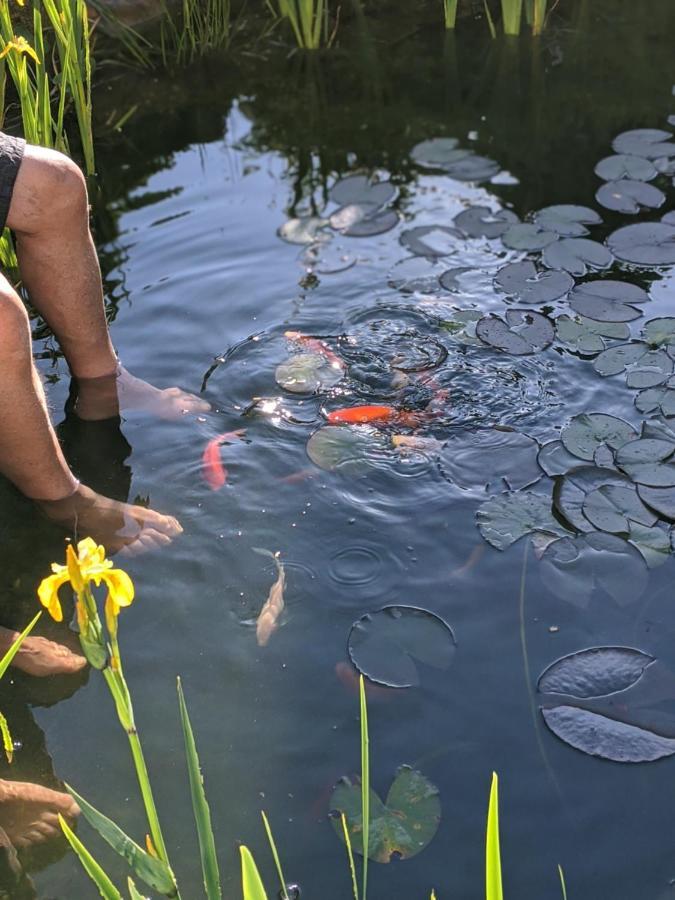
(147, 541)
(168, 525)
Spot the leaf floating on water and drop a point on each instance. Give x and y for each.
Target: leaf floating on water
(349, 448)
(585, 433)
(415, 275)
(644, 450)
(481, 221)
(307, 373)
(432, 241)
(473, 168)
(577, 255)
(528, 237)
(653, 542)
(305, 230)
(574, 568)
(616, 508)
(398, 830)
(522, 280)
(504, 519)
(657, 399)
(363, 220)
(623, 165)
(462, 326)
(567, 220)
(608, 301)
(437, 152)
(651, 474)
(387, 645)
(588, 719)
(644, 244)
(268, 618)
(669, 218)
(660, 333)
(327, 258)
(650, 143)
(485, 459)
(571, 493)
(628, 196)
(360, 189)
(660, 499)
(521, 332)
(586, 336)
(554, 459)
(646, 368)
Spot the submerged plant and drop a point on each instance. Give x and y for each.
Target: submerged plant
(309, 21)
(450, 12)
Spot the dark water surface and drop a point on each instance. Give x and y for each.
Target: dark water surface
(192, 193)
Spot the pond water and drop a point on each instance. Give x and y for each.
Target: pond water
(201, 289)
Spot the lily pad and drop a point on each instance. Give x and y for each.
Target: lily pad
(573, 569)
(481, 221)
(528, 237)
(567, 220)
(613, 507)
(437, 153)
(588, 718)
(660, 499)
(571, 492)
(327, 258)
(657, 399)
(450, 280)
(462, 326)
(586, 336)
(415, 275)
(608, 301)
(644, 450)
(650, 143)
(387, 645)
(585, 433)
(660, 333)
(669, 217)
(363, 220)
(486, 459)
(472, 168)
(554, 459)
(431, 240)
(342, 447)
(360, 189)
(303, 230)
(520, 333)
(623, 165)
(577, 255)
(522, 280)
(307, 373)
(628, 196)
(653, 543)
(644, 244)
(651, 474)
(399, 829)
(505, 518)
(646, 368)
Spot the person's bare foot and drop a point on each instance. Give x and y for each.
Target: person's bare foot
(29, 813)
(40, 656)
(110, 395)
(117, 526)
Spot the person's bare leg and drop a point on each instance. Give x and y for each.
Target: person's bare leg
(29, 813)
(49, 214)
(31, 458)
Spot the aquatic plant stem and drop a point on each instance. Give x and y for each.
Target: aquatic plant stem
(365, 785)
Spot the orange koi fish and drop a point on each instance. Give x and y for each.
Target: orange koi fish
(268, 618)
(349, 679)
(314, 345)
(213, 470)
(360, 415)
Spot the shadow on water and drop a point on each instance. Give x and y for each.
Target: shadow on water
(189, 196)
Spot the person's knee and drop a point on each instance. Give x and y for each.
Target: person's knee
(50, 190)
(14, 324)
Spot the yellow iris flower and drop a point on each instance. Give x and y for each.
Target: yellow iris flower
(19, 45)
(88, 565)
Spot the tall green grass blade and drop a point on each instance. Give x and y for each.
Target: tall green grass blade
(350, 856)
(133, 891)
(562, 882)
(450, 11)
(433, 895)
(106, 888)
(538, 17)
(512, 11)
(365, 785)
(493, 863)
(490, 21)
(200, 806)
(153, 871)
(275, 855)
(16, 646)
(7, 741)
(251, 882)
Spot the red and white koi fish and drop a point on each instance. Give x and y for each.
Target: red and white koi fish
(375, 415)
(213, 470)
(315, 345)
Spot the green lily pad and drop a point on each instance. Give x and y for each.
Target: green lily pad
(521, 332)
(567, 220)
(651, 474)
(613, 507)
(363, 220)
(608, 301)
(585, 433)
(361, 189)
(623, 165)
(650, 143)
(399, 829)
(345, 447)
(438, 152)
(307, 373)
(415, 275)
(387, 645)
(505, 518)
(462, 326)
(528, 237)
(645, 367)
(628, 196)
(657, 399)
(432, 241)
(327, 258)
(304, 230)
(644, 244)
(472, 168)
(489, 458)
(596, 672)
(653, 542)
(522, 280)
(586, 336)
(660, 499)
(577, 256)
(644, 450)
(554, 459)
(660, 333)
(481, 221)
(571, 491)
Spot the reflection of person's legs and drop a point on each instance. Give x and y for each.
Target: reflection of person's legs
(30, 455)
(49, 214)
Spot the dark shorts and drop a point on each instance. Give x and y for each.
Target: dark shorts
(11, 154)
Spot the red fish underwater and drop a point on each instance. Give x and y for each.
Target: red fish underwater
(364, 415)
(314, 345)
(213, 470)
